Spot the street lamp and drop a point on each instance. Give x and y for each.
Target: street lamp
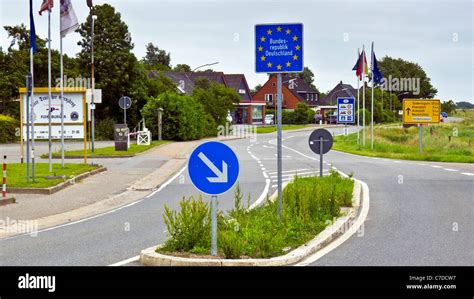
(208, 64)
(94, 17)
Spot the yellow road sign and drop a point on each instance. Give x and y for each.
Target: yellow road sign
(418, 111)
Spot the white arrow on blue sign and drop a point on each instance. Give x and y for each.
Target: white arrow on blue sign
(213, 168)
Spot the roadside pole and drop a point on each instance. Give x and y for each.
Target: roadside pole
(321, 156)
(93, 17)
(160, 111)
(32, 116)
(28, 99)
(363, 96)
(358, 108)
(420, 142)
(49, 93)
(4, 180)
(214, 226)
(279, 144)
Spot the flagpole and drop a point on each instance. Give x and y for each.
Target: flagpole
(358, 107)
(363, 96)
(62, 95)
(372, 104)
(49, 91)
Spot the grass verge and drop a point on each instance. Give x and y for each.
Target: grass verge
(309, 205)
(446, 142)
(108, 151)
(16, 174)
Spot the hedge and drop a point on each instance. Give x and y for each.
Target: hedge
(9, 129)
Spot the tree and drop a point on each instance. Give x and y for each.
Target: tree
(218, 100)
(156, 58)
(405, 70)
(182, 68)
(117, 71)
(464, 105)
(256, 88)
(202, 82)
(448, 106)
(307, 76)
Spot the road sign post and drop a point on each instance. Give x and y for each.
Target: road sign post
(125, 103)
(320, 142)
(419, 112)
(345, 111)
(279, 49)
(204, 172)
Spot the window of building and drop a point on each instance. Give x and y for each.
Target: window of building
(268, 97)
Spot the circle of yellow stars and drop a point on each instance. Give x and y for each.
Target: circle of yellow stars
(264, 39)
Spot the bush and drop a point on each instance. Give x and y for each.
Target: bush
(183, 117)
(190, 228)
(104, 129)
(8, 129)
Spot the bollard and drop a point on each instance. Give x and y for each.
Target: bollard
(4, 182)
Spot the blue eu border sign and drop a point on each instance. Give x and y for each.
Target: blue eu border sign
(345, 110)
(279, 48)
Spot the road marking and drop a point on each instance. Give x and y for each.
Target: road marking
(127, 261)
(449, 169)
(467, 173)
(395, 161)
(435, 166)
(275, 172)
(296, 173)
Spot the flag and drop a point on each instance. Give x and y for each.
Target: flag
(68, 18)
(32, 29)
(46, 5)
(376, 74)
(89, 3)
(358, 66)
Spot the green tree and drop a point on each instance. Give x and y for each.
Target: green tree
(402, 69)
(184, 118)
(117, 71)
(256, 88)
(301, 113)
(307, 76)
(217, 100)
(448, 106)
(182, 68)
(156, 58)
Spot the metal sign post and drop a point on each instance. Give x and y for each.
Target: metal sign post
(279, 49)
(345, 111)
(125, 103)
(209, 178)
(420, 128)
(320, 142)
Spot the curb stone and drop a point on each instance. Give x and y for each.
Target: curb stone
(149, 256)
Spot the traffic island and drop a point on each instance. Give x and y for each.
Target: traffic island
(295, 249)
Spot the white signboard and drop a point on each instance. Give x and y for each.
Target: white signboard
(97, 96)
(73, 108)
(70, 132)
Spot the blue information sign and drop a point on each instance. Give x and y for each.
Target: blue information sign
(213, 168)
(279, 48)
(345, 110)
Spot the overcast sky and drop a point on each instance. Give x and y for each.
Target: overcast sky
(436, 34)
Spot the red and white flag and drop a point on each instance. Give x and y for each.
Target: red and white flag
(68, 18)
(46, 5)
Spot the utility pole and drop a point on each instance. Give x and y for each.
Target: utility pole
(93, 17)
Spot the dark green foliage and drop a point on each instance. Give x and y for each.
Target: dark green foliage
(8, 129)
(104, 129)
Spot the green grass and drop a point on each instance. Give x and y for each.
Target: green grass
(108, 151)
(271, 129)
(309, 205)
(16, 174)
(400, 143)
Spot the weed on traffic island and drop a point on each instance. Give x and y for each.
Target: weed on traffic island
(309, 205)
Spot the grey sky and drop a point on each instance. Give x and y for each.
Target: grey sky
(199, 32)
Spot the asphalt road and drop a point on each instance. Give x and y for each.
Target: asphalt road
(420, 213)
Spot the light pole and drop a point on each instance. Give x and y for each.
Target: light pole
(208, 64)
(400, 94)
(94, 17)
(160, 112)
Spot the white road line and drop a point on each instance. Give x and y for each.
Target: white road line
(297, 173)
(467, 173)
(105, 213)
(127, 261)
(295, 170)
(449, 169)
(435, 166)
(395, 161)
(263, 196)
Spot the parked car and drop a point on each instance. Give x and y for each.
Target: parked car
(269, 119)
(444, 114)
(332, 119)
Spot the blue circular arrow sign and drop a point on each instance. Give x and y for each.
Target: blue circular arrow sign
(213, 168)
